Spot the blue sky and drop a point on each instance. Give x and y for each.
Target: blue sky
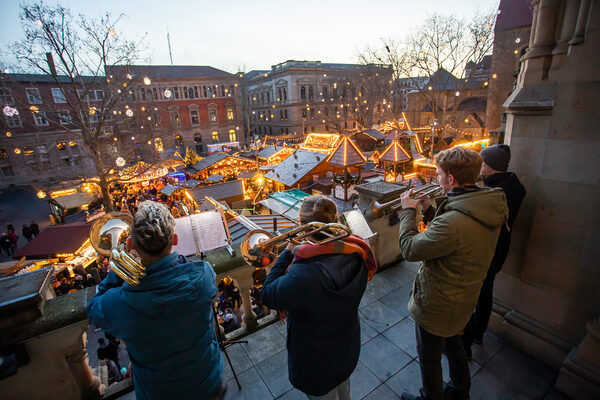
(255, 34)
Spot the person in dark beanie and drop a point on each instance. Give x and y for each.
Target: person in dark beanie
(494, 171)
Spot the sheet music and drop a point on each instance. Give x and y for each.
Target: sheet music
(358, 224)
(200, 233)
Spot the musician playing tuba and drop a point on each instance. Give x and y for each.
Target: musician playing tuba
(167, 319)
(320, 286)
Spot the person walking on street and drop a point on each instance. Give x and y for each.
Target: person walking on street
(35, 228)
(5, 243)
(494, 171)
(27, 234)
(455, 251)
(13, 240)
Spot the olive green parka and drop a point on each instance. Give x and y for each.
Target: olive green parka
(455, 252)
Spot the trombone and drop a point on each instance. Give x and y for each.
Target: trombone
(380, 209)
(257, 245)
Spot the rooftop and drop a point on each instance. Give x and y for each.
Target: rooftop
(293, 168)
(170, 71)
(388, 363)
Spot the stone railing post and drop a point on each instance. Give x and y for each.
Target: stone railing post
(76, 357)
(248, 316)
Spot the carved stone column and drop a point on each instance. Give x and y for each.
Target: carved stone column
(248, 316)
(569, 21)
(579, 376)
(582, 17)
(545, 27)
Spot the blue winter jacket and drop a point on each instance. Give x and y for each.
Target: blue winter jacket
(321, 295)
(167, 324)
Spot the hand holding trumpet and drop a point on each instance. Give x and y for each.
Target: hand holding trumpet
(408, 201)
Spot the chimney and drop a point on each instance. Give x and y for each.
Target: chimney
(51, 65)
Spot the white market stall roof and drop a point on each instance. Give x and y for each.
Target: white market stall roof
(169, 189)
(293, 168)
(218, 191)
(74, 200)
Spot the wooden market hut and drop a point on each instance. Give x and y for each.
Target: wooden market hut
(346, 155)
(222, 164)
(395, 155)
(299, 170)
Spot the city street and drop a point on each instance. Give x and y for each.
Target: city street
(20, 207)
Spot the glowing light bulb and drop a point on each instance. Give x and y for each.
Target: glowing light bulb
(129, 112)
(120, 161)
(167, 93)
(147, 81)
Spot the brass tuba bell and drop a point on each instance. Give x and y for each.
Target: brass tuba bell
(108, 235)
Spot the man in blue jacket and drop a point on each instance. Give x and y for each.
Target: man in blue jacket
(167, 320)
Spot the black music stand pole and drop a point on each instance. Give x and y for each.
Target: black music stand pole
(223, 344)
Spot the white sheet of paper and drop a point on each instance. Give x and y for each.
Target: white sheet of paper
(358, 224)
(210, 233)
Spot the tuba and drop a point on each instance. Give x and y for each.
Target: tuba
(107, 236)
(257, 245)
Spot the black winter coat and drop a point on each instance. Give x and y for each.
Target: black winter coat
(515, 192)
(321, 296)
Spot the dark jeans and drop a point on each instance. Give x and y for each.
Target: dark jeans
(479, 320)
(430, 348)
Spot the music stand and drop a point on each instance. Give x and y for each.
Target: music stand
(224, 344)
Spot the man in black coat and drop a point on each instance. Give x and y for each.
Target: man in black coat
(108, 350)
(494, 172)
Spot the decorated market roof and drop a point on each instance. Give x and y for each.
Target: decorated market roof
(56, 239)
(295, 167)
(396, 134)
(395, 153)
(268, 151)
(375, 156)
(373, 133)
(215, 178)
(218, 191)
(321, 142)
(210, 161)
(346, 154)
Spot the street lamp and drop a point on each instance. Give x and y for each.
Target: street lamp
(433, 125)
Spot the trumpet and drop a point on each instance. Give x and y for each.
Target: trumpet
(380, 209)
(107, 236)
(257, 245)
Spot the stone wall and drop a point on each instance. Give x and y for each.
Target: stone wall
(548, 290)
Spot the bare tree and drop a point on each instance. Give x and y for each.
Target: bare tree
(360, 96)
(434, 58)
(74, 53)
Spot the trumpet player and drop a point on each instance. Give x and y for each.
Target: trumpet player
(455, 252)
(167, 319)
(320, 287)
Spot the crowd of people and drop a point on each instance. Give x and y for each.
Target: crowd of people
(127, 197)
(319, 288)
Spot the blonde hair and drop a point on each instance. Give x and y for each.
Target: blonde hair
(317, 208)
(463, 164)
(153, 227)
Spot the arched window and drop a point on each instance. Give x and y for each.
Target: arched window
(191, 93)
(303, 92)
(215, 136)
(232, 136)
(325, 91)
(311, 93)
(149, 96)
(178, 141)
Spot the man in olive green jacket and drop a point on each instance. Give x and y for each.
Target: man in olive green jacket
(455, 252)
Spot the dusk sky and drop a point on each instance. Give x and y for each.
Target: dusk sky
(255, 34)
